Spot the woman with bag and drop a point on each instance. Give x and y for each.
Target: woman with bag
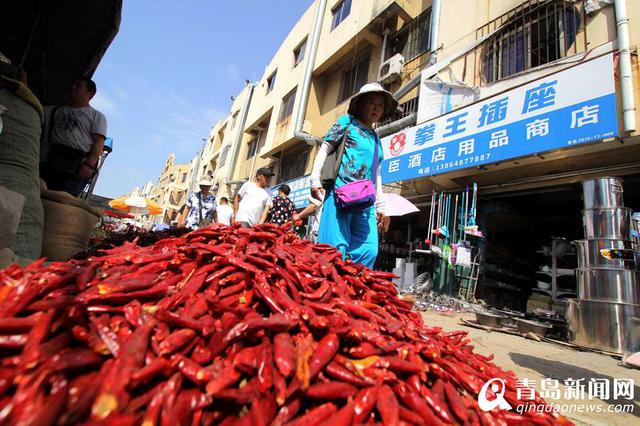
(202, 206)
(353, 210)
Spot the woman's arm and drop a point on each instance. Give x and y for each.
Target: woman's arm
(321, 157)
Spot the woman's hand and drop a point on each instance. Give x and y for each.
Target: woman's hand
(383, 222)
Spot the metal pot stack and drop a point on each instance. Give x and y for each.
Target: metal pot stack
(602, 317)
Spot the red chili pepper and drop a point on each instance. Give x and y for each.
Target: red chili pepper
(365, 400)
(176, 341)
(388, 406)
(265, 366)
(338, 372)
(331, 390)
(148, 372)
(455, 402)
(413, 401)
(324, 353)
(113, 397)
(409, 416)
(284, 353)
(286, 413)
(315, 415)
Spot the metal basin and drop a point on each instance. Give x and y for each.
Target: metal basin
(589, 256)
(615, 285)
(607, 222)
(535, 327)
(602, 192)
(607, 326)
(490, 320)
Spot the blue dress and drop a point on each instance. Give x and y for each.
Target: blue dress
(355, 234)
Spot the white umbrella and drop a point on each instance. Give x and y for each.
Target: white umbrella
(397, 205)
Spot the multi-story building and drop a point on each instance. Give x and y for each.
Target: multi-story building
(525, 98)
(171, 191)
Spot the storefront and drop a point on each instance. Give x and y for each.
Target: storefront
(527, 149)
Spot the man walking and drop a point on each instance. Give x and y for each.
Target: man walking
(253, 201)
(225, 212)
(75, 134)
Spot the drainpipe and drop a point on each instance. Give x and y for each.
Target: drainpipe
(383, 53)
(306, 81)
(238, 138)
(434, 31)
(626, 76)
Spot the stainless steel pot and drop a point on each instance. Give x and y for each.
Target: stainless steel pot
(607, 222)
(588, 252)
(602, 325)
(602, 192)
(615, 285)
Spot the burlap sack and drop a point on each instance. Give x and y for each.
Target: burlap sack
(68, 223)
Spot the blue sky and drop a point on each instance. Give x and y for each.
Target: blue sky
(169, 75)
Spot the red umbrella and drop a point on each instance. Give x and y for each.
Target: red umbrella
(117, 214)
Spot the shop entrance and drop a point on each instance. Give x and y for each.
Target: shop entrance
(519, 232)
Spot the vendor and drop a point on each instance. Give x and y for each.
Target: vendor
(74, 138)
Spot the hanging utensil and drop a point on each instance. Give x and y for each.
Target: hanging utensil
(431, 217)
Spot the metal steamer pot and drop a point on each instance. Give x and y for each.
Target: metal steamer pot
(615, 285)
(588, 252)
(603, 325)
(602, 192)
(607, 222)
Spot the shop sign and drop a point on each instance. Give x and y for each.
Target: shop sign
(300, 190)
(571, 107)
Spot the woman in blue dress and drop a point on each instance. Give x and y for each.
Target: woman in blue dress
(354, 233)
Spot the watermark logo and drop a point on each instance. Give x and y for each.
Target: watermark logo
(497, 387)
(572, 399)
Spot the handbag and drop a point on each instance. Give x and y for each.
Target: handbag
(360, 194)
(202, 222)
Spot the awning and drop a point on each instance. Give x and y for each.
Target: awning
(57, 40)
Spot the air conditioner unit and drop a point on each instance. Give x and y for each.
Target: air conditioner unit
(391, 69)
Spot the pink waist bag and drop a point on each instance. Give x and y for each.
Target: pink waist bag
(360, 194)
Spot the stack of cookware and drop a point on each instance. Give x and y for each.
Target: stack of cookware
(605, 313)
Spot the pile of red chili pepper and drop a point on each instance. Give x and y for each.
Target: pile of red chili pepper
(231, 326)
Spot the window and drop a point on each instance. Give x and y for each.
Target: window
(354, 78)
(223, 155)
(271, 82)
(287, 106)
(298, 52)
(253, 147)
(530, 38)
(184, 177)
(293, 164)
(413, 39)
(340, 12)
(233, 120)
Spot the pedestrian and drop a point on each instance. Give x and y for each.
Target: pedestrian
(224, 211)
(353, 211)
(282, 208)
(314, 212)
(253, 201)
(202, 206)
(74, 136)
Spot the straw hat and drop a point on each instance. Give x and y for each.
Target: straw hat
(205, 181)
(390, 103)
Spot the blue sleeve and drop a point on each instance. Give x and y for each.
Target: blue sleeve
(335, 134)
